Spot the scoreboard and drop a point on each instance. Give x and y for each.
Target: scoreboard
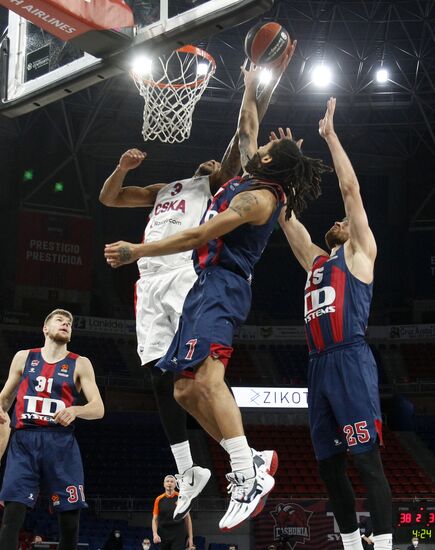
(414, 519)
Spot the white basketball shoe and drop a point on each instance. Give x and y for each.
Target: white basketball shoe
(246, 495)
(268, 461)
(190, 484)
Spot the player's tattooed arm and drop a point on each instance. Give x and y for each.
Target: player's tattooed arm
(248, 118)
(230, 165)
(256, 209)
(231, 162)
(244, 204)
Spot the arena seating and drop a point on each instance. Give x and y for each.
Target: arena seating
(102, 350)
(297, 474)
(93, 530)
(125, 455)
(425, 428)
(420, 360)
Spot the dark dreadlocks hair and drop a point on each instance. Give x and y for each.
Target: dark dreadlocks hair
(299, 176)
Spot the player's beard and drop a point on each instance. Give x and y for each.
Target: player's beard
(334, 238)
(253, 166)
(60, 337)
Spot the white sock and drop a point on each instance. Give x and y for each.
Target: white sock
(183, 458)
(383, 542)
(240, 455)
(223, 444)
(352, 541)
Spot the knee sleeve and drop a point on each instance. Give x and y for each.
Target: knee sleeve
(369, 465)
(69, 529)
(13, 519)
(172, 415)
(333, 474)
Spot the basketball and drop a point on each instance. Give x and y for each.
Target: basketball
(266, 44)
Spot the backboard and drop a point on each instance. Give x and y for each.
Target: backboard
(36, 68)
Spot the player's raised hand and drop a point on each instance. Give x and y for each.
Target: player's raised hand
(131, 159)
(273, 136)
(120, 253)
(326, 124)
(64, 417)
(282, 66)
(4, 417)
(250, 74)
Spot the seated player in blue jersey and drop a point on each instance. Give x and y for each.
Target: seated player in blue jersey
(43, 450)
(235, 230)
(343, 395)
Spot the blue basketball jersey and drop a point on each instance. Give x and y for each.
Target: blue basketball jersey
(239, 250)
(45, 388)
(337, 304)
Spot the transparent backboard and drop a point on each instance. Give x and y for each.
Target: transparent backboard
(38, 68)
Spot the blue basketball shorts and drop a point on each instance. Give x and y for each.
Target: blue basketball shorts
(343, 400)
(44, 458)
(217, 305)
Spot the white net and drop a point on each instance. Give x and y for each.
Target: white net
(171, 88)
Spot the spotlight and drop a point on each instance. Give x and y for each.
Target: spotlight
(321, 76)
(382, 75)
(202, 69)
(265, 76)
(141, 65)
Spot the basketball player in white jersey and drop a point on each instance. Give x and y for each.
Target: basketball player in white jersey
(165, 281)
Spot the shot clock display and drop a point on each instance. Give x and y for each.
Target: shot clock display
(415, 520)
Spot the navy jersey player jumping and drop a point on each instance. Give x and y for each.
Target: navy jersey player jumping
(43, 450)
(165, 281)
(227, 245)
(343, 395)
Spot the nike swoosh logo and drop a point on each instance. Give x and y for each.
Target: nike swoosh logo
(193, 480)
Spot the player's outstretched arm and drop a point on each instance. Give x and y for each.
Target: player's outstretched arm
(248, 118)
(254, 207)
(361, 236)
(94, 407)
(231, 160)
(300, 241)
(114, 194)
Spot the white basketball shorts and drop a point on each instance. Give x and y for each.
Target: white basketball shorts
(159, 303)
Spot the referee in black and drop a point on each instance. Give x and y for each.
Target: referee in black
(169, 533)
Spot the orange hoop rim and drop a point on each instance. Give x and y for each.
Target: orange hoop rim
(198, 82)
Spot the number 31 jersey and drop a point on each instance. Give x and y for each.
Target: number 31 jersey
(45, 388)
(336, 304)
(178, 206)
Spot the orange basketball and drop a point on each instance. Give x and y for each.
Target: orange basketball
(267, 43)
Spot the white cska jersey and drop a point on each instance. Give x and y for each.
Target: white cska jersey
(179, 205)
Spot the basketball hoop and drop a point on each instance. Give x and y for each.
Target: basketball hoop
(171, 90)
